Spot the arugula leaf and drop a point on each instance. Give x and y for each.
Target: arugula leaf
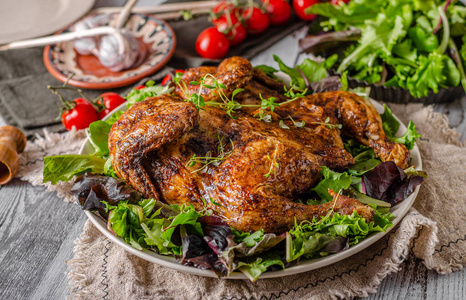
(332, 180)
(64, 167)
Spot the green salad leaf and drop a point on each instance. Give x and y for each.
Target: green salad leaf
(310, 239)
(98, 136)
(332, 180)
(64, 167)
(306, 72)
(389, 123)
(255, 267)
(268, 70)
(150, 90)
(409, 137)
(401, 44)
(391, 126)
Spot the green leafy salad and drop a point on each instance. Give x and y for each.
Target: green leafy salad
(202, 240)
(418, 45)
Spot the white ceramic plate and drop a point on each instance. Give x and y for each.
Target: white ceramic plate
(32, 18)
(398, 211)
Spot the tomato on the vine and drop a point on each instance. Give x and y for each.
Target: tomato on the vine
(110, 101)
(222, 7)
(229, 25)
(256, 21)
(80, 116)
(279, 11)
(300, 7)
(211, 43)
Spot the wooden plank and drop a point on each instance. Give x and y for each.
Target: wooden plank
(415, 281)
(456, 112)
(36, 236)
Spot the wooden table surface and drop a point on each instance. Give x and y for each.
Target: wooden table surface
(37, 231)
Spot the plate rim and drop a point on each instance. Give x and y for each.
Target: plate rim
(50, 66)
(302, 266)
(83, 6)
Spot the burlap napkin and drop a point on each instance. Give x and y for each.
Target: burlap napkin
(434, 230)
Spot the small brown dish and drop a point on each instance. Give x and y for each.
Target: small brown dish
(157, 44)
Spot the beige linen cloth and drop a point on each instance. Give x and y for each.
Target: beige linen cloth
(434, 230)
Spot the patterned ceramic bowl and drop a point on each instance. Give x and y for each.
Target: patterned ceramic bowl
(157, 44)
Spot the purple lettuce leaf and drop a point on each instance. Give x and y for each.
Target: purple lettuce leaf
(91, 189)
(389, 183)
(328, 84)
(336, 245)
(216, 233)
(198, 253)
(233, 250)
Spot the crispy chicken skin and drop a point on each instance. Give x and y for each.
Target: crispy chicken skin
(234, 72)
(358, 116)
(152, 143)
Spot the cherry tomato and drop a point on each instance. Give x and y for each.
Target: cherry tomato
(80, 116)
(256, 21)
(279, 11)
(166, 79)
(111, 101)
(229, 25)
(140, 87)
(338, 2)
(222, 7)
(212, 44)
(300, 7)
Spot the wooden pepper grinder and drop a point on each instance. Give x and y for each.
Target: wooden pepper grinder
(12, 142)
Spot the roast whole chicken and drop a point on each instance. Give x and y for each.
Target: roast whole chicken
(259, 169)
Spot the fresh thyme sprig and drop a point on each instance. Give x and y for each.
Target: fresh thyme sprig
(273, 164)
(328, 124)
(209, 81)
(208, 159)
(261, 115)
